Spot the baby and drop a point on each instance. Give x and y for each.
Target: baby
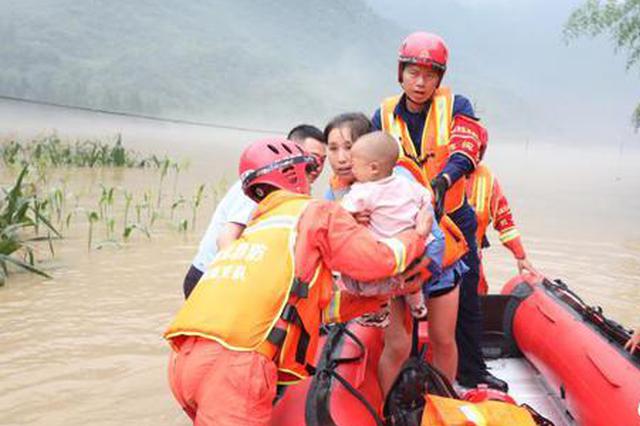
(392, 202)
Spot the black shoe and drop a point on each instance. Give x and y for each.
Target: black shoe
(487, 378)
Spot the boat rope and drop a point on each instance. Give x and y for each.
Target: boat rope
(327, 370)
(145, 116)
(353, 391)
(592, 314)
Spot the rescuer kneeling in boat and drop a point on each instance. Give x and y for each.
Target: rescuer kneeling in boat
(441, 139)
(491, 206)
(253, 318)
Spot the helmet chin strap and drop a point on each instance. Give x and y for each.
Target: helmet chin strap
(417, 103)
(422, 105)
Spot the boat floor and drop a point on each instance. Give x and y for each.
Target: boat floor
(527, 386)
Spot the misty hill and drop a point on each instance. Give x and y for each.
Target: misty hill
(276, 63)
(198, 59)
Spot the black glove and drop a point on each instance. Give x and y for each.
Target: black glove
(439, 185)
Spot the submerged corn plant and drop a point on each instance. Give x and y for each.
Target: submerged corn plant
(92, 217)
(51, 151)
(164, 169)
(195, 204)
(20, 215)
(132, 227)
(128, 198)
(57, 203)
(176, 204)
(177, 168)
(105, 208)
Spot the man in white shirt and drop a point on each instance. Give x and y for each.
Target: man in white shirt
(235, 209)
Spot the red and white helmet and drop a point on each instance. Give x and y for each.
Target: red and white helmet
(277, 162)
(423, 48)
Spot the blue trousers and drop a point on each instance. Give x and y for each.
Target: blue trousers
(469, 325)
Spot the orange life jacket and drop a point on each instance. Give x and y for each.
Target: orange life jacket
(435, 148)
(481, 187)
(250, 299)
(440, 411)
(455, 246)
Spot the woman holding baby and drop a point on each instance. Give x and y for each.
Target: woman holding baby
(378, 192)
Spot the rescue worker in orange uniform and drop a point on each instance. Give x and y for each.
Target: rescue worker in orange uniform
(490, 204)
(254, 317)
(441, 139)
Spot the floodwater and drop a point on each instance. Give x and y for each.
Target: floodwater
(85, 347)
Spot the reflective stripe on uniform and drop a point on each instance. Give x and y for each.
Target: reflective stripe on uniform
(332, 311)
(473, 414)
(399, 252)
(441, 120)
(314, 279)
(481, 192)
(509, 235)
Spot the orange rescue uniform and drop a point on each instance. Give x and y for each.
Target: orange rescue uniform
(485, 195)
(262, 300)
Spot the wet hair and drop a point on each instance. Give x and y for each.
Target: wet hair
(357, 123)
(304, 131)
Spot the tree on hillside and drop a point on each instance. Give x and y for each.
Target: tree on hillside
(618, 18)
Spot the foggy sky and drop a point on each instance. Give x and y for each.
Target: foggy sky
(275, 64)
(513, 51)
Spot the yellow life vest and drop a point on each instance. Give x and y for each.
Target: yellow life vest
(250, 290)
(481, 183)
(440, 411)
(434, 151)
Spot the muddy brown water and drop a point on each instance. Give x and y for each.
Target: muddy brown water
(85, 347)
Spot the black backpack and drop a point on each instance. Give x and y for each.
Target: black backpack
(405, 402)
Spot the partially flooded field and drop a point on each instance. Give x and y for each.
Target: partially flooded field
(85, 347)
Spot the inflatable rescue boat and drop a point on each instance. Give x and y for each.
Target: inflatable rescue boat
(564, 362)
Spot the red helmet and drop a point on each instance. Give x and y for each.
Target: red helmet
(423, 49)
(277, 162)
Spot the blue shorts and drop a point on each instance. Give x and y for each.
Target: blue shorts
(446, 280)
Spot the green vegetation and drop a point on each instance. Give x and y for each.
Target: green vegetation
(37, 207)
(21, 212)
(51, 151)
(619, 19)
